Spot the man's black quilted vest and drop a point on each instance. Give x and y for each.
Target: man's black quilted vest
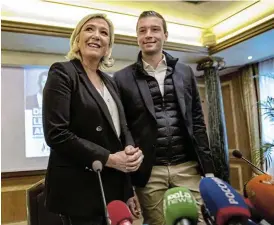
(172, 139)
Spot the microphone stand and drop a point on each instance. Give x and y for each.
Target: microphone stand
(237, 154)
(97, 167)
(103, 197)
(206, 215)
(256, 167)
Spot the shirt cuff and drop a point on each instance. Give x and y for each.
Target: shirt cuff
(209, 175)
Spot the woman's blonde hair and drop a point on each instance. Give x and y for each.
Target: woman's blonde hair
(74, 52)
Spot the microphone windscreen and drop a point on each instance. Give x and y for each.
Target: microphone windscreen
(97, 166)
(260, 191)
(237, 154)
(118, 212)
(179, 203)
(255, 215)
(223, 201)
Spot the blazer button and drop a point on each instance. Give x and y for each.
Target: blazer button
(86, 168)
(99, 128)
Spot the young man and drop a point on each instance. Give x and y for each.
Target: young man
(165, 117)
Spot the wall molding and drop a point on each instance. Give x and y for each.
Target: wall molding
(22, 173)
(240, 174)
(55, 31)
(261, 28)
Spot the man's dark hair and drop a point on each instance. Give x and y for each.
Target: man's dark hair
(150, 14)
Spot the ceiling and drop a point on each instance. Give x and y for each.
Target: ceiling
(193, 13)
(202, 23)
(203, 14)
(259, 47)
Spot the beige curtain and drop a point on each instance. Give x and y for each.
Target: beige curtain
(266, 89)
(249, 99)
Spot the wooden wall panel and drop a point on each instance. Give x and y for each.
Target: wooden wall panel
(229, 115)
(13, 206)
(236, 127)
(13, 198)
(236, 174)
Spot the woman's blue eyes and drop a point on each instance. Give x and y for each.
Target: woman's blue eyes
(91, 29)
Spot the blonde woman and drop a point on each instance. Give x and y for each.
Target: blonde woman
(84, 121)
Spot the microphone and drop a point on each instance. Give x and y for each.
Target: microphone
(239, 155)
(119, 213)
(206, 215)
(180, 207)
(255, 215)
(224, 203)
(97, 167)
(260, 192)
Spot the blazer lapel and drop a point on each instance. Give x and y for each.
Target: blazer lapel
(146, 95)
(179, 89)
(93, 92)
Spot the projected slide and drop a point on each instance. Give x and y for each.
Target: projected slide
(35, 79)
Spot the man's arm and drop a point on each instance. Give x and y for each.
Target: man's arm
(126, 135)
